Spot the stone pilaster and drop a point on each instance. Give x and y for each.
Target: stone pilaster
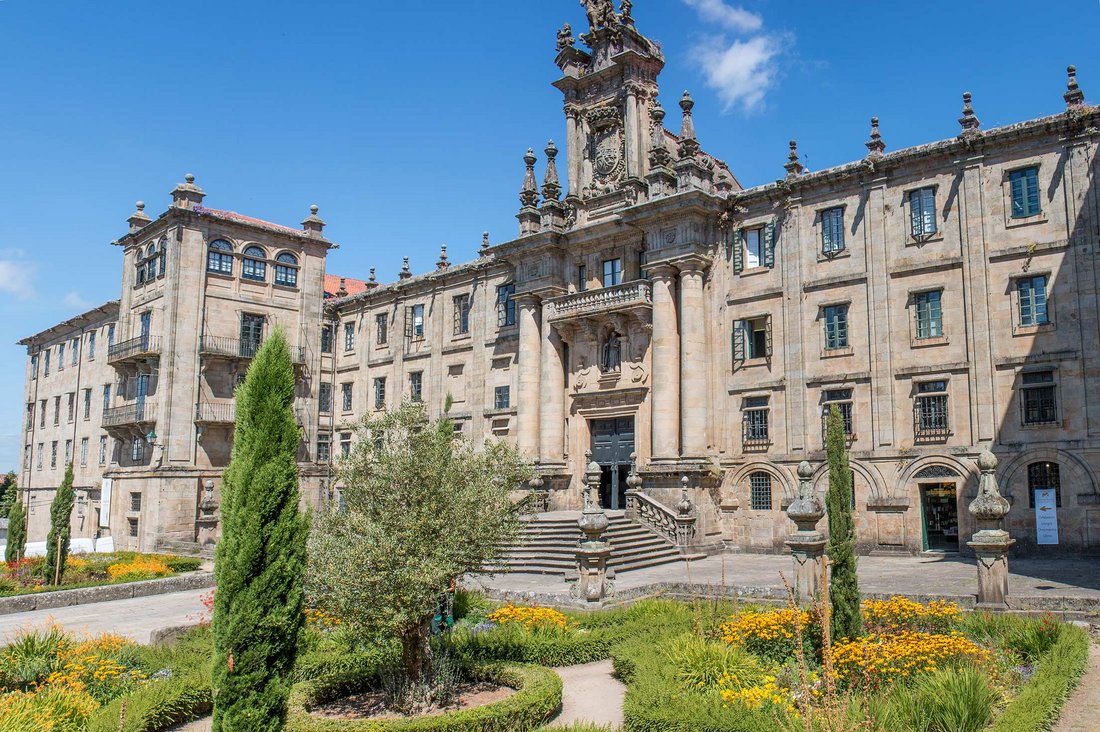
(693, 362)
(551, 397)
(529, 357)
(666, 366)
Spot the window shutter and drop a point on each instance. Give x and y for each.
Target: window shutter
(768, 330)
(1032, 181)
(1017, 194)
(738, 250)
(769, 244)
(737, 337)
(916, 212)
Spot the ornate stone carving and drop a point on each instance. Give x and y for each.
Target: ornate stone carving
(601, 13)
(565, 37)
(607, 145)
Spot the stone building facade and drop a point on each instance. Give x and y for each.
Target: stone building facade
(943, 297)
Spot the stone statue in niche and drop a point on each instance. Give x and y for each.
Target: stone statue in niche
(612, 352)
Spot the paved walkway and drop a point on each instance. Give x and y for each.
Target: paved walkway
(1082, 711)
(590, 694)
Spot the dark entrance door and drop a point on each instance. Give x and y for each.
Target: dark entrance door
(612, 444)
(940, 507)
(252, 334)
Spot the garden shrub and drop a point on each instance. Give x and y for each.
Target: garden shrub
(529, 617)
(772, 634)
(1057, 673)
(544, 646)
(182, 564)
(901, 613)
(139, 569)
(700, 663)
(537, 699)
(874, 661)
(56, 708)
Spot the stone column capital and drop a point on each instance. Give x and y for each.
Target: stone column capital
(528, 300)
(662, 271)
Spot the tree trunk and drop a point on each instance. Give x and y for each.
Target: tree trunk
(416, 654)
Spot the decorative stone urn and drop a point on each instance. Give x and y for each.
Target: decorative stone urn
(538, 500)
(685, 516)
(991, 542)
(207, 520)
(807, 544)
(633, 488)
(592, 550)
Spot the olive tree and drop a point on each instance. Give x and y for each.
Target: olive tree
(420, 506)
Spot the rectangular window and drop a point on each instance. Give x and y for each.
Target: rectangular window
(345, 444)
(462, 314)
(349, 336)
(502, 397)
(103, 450)
(1042, 476)
(754, 251)
(61, 357)
(1032, 293)
(1025, 192)
(1038, 398)
(135, 501)
(922, 211)
(324, 398)
(53, 454)
(760, 492)
(345, 396)
(832, 230)
(929, 314)
(582, 278)
(416, 386)
(34, 367)
(380, 392)
(132, 526)
(40, 451)
(42, 413)
(110, 335)
(381, 329)
(76, 351)
(137, 449)
(754, 421)
(326, 339)
(27, 457)
(46, 368)
(72, 406)
(931, 418)
(414, 324)
(286, 273)
(83, 451)
(836, 326)
(56, 411)
(506, 305)
(30, 416)
(106, 397)
(612, 272)
(87, 404)
(91, 346)
(842, 400)
(324, 447)
(68, 451)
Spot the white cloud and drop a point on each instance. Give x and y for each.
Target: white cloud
(15, 279)
(75, 301)
(734, 18)
(741, 69)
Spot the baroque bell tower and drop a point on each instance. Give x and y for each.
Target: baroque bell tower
(610, 90)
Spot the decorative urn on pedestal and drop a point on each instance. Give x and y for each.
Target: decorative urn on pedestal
(592, 550)
(807, 544)
(685, 516)
(990, 542)
(538, 499)
(633, 488)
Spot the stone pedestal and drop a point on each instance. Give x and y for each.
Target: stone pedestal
(592, 551)
(807, 544)
(633, 487)
(990, 543)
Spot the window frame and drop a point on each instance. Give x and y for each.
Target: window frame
(839, 340)
(506, 305)
(932, 409)
(1052, 468)
(324, 398)
(254, 264)
(461, 304)
(832, 231)
(286, 270)
(922, 212)
(349, 336)
(922, 304)
(759, 481)
(612, 276)
(379, 388)
(219, 259)
(502, 397)
(1030, 201)
(416, 386)
(755, 422)
(381, 329)
(347, 397)
(1033, 306)
(844, 399)
(1036, 389)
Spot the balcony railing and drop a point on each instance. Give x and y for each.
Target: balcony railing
(141, 347)
(216, 412)
(143, 412)
(628, 296)
(222, 347)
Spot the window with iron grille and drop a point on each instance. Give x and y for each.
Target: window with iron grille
(27, 457)
(56, 411)
(754, 421)
(345, 396)
(842, 400)
(324, 398)
(324, 447)
(132, 524)
(832, 230)
(326, 339)
(931, 418)
(836, 326)
(506, 305)
(380, 392)
(1039, 399)
(349, 336)
(502, 397)
(1024, 186)
(461, 314)
(38, 465)
(760, 492)
(416, 385)
(922, 211)
(42, 413)
(1044, 475)
(46, 366)
(928, 310)
(68, 451)
(612, 272)
(110, 335)
(53, 454)
(1032, 295)
(135, 501)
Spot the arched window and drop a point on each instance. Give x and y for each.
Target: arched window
(139, 268)
(163, 258)
(1043, 476)
(760, 492)
(612, 352)
(220, 257)
(151, 262)
(254, 266)
(286, 270)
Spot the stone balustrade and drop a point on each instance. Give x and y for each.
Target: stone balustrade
(625, 297)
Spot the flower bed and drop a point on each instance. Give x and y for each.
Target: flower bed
(28, 575)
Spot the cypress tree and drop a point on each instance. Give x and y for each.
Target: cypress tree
(61, 530)
(844, 586)
(260, 557)
(17, 531)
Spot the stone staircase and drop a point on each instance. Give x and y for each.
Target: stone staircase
(549, 540)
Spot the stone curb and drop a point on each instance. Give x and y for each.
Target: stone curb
(105, 593)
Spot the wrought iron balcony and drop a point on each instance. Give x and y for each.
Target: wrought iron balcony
(244, 349)
(143, 412)
(135, 349)
(630, 296)
(216, 413)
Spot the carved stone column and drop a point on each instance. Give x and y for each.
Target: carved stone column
(551, 395)
(990, 543)
(666, 366)
(807, 544)
(693, 363)
(527, 405)
(592, 552)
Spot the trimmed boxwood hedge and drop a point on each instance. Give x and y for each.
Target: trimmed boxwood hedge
(537, 700)
(1057, 672)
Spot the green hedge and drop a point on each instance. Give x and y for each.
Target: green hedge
(1057, 673)
(537, 699)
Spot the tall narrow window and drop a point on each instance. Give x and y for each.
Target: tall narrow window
(380, 392)
(87, 404)
(1032, 292)
(1039, 400)
(416, 386)
(754, 248)
(931, 416)
(326, 339)
(1044, 476)
(110, 335)
(842, 400)
(75, 345)
(760, 492)
(286, 270)
(30, 416)
(582, 278)
(461, 314)
(929, 314)
(106, 397)
(346, 396)
(72, 406)
(68, 452)
(38, 463)
(219, 257)
(345, 444)
(612, 272)
(324, 398)
(42, 413)
(53, 454)
(502, 397)
(91, 346)
(506, 305)
(56, 411)
(83, 451)
(415, 324)
(252, 334)
(163, 258)
(254, 264)
(102, 449)
(922, 211)
(349, 336)
(836, 326)
(324, 447)
(137, 450)
(60, 356)
(754, 422)
(1024, 186)
(34, 367)
(832, 230)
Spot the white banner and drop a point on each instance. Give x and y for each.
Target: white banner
(105, 504)
(1046, 516)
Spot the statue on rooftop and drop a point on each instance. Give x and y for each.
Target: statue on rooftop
(565, 37)
(601, 13)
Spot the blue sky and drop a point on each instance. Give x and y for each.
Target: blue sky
(407, 122)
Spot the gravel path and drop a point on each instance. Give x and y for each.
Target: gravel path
(590, 694)
(1082, 711)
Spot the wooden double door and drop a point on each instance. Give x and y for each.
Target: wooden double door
(612, 445)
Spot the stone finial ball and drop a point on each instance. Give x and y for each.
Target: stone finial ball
(190, 177)
(140, 205)
(314, 209)
(805, 470)
(987, 461)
